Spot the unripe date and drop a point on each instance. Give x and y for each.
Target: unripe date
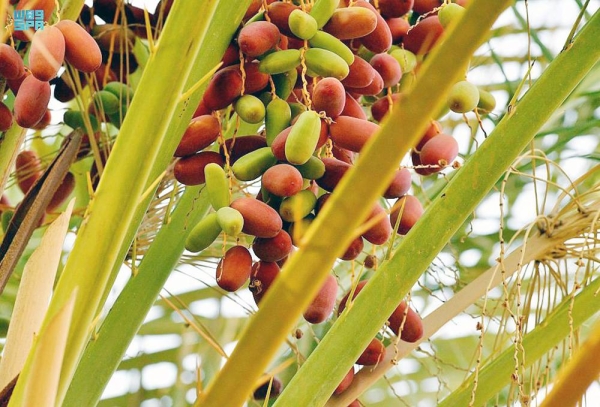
(406, 59)
(312, 169)
(303, 25)
(203, 234)
(284, 83)
(326, 63)
(450, 12)
(253, 164)
(230, 220)
(322, 11)
(298, 229)
(278, 147)
(463, 97)
(327, 41)
(303, 138)
(298, 206)
(250, 109)
(105, 102)
(280, 61)
(217, 186)
(487, 101)
(277, 118)
(77, 119)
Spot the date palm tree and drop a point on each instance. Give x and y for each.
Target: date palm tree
(502, 266)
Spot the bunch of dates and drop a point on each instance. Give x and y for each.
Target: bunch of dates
(95, 54)
(316, 79)
(49, 47)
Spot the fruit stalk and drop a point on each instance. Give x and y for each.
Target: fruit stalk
(535, 345)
